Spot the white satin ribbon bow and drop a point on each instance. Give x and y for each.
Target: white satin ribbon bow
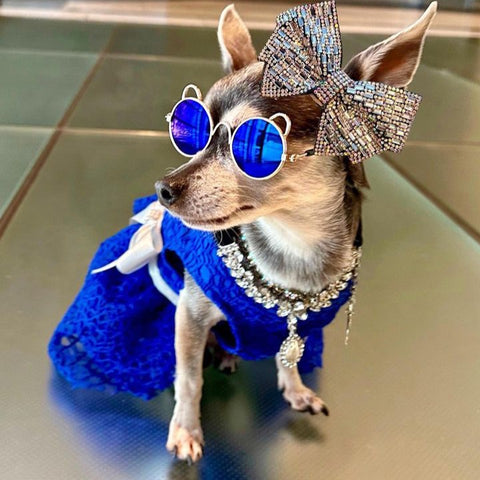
(145, 245)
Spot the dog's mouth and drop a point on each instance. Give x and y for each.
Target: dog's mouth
(214, 223)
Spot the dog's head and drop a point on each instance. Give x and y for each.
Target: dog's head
(210, 193)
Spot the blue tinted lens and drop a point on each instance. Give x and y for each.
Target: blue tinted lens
(257, 148)
(190, 126)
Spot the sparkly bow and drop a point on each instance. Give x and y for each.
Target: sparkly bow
(360, 119)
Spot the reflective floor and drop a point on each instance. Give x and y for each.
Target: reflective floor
(455, 18)
(85, 102)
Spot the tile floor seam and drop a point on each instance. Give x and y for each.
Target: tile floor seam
(46, 53)
(435, 144)
(86, 130)
(30, 177)
(115, 131)
(436, 201)
(444, 73)
(160, 58)
(25, 127)
(164, 133)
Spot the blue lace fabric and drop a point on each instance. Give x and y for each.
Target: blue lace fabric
(118, 334)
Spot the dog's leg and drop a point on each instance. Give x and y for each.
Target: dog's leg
(299, 396)
(193, 320)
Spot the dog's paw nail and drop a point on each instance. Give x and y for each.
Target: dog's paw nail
(185, 445)
(325, 410)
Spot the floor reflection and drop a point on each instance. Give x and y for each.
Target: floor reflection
(241, 413)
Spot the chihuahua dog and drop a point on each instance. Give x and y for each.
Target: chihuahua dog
(299, 225)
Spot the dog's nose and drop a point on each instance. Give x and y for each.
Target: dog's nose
(167, 193)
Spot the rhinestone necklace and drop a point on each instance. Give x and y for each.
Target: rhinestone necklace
(292, 304)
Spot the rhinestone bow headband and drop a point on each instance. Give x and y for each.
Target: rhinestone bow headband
(360, 118)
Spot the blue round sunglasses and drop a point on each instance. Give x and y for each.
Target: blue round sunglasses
(258, 145)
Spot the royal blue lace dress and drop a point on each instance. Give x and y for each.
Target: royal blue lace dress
(119, 331)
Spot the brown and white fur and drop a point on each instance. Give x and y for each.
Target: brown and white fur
(299, 224)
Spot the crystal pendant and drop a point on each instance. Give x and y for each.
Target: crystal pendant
(291, 350)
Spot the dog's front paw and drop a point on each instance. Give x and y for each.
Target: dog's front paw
(305, 400)
(227, 363)
(186, 445)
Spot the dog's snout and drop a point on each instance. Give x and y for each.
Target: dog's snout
(167, 193)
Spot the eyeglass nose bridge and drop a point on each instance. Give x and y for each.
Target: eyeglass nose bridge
(227, 126)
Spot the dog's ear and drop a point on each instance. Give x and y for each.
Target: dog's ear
(395, 60)
(235, 42)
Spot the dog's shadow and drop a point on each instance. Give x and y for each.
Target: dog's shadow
(241, 414)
